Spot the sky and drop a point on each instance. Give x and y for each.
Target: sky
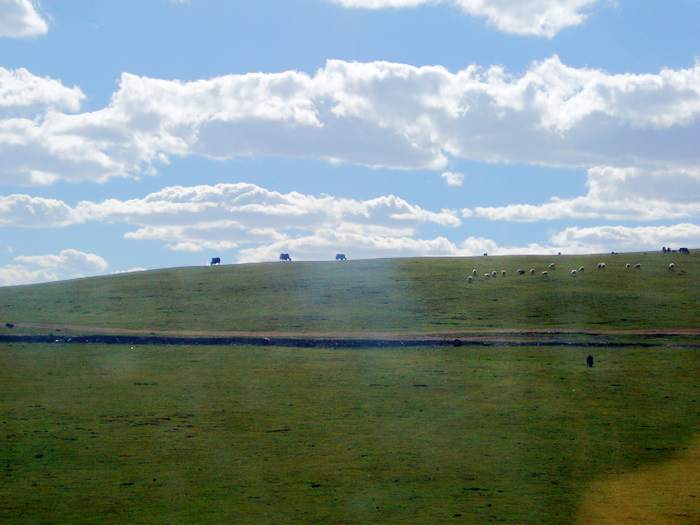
(156, 133)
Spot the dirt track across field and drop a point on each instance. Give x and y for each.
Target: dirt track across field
(43, 333)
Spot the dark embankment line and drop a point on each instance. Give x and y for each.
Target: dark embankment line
(292, 342)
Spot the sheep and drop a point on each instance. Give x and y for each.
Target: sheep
(545, 273)
(487, 276)
(602, 266)
(503, 273)
(532, 271)
(494, 274)
(552, 266)
(573, 273)
(521, 271)
(470, 279)
(628, 266)
(672, 266)
(580, 270)
(474, 272)
(638, 266)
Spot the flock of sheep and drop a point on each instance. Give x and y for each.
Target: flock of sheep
(553, 266)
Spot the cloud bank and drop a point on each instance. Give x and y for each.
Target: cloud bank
(68, 264)
(374, 114)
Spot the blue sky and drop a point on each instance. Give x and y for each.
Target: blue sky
(601, 114)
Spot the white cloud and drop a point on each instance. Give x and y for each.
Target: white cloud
(26, 211)
(23, 94)
(623, 238)
(543, 18)
(613, 194)
(374, 114)
(453, 178)
(20, 19)
(68, 264)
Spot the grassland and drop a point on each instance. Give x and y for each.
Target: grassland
(397, 295)
(248, 435)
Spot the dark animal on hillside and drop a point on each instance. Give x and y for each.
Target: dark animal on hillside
(340, 257)
(663, 249)
(486, 254)
(684, 250)
(285, 257)
(589, 361)
(521, 272)
(215, 261)
(9, 325)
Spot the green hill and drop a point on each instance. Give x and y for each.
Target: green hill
(398, 295)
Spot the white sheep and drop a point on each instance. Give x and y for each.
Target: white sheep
(552, 266)
(545, 273)
(672, 266)
(628, 266)
(638, 266)
(574, 273)
(470, 279)
(503, 273)
(474, 272)
(487, 276)
(602, 266)
(580, 270)
(494, 274)
(532, 271)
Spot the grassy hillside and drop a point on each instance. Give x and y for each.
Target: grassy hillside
(115, 434)
(376, 295)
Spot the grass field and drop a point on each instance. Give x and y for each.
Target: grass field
(248, 435)
(196, 434)
(399, 295)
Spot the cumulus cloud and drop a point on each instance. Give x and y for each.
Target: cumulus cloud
(542, 18)
(453, 179)
(27, 211)
(20, 19)
(613, 194)
(23, 94)
(68, 264)
(373, 114)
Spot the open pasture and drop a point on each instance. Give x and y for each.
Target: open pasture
(390, 295)
(267, 435)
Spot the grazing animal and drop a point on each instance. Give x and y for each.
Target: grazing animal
(589, 361)
(628, 266)
(672, 266)
(545, 273)
(684, 250)
(521, 271)
(532, 271)
(487, 276)
(215, 261)
(503, 273)
(486, 254)
(663, 249)
(285, 257)
(574, 273)
(474, 272)
(494, 274)
(340, 257)
(551, 266)
(638, 266)
(602, 266)
(9, 325)
(470, 279)
(580, 270)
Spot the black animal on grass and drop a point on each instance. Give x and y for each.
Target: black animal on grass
(684, 250)
(9, 325)
(215, 261)
(589, 361)
(285, 257)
